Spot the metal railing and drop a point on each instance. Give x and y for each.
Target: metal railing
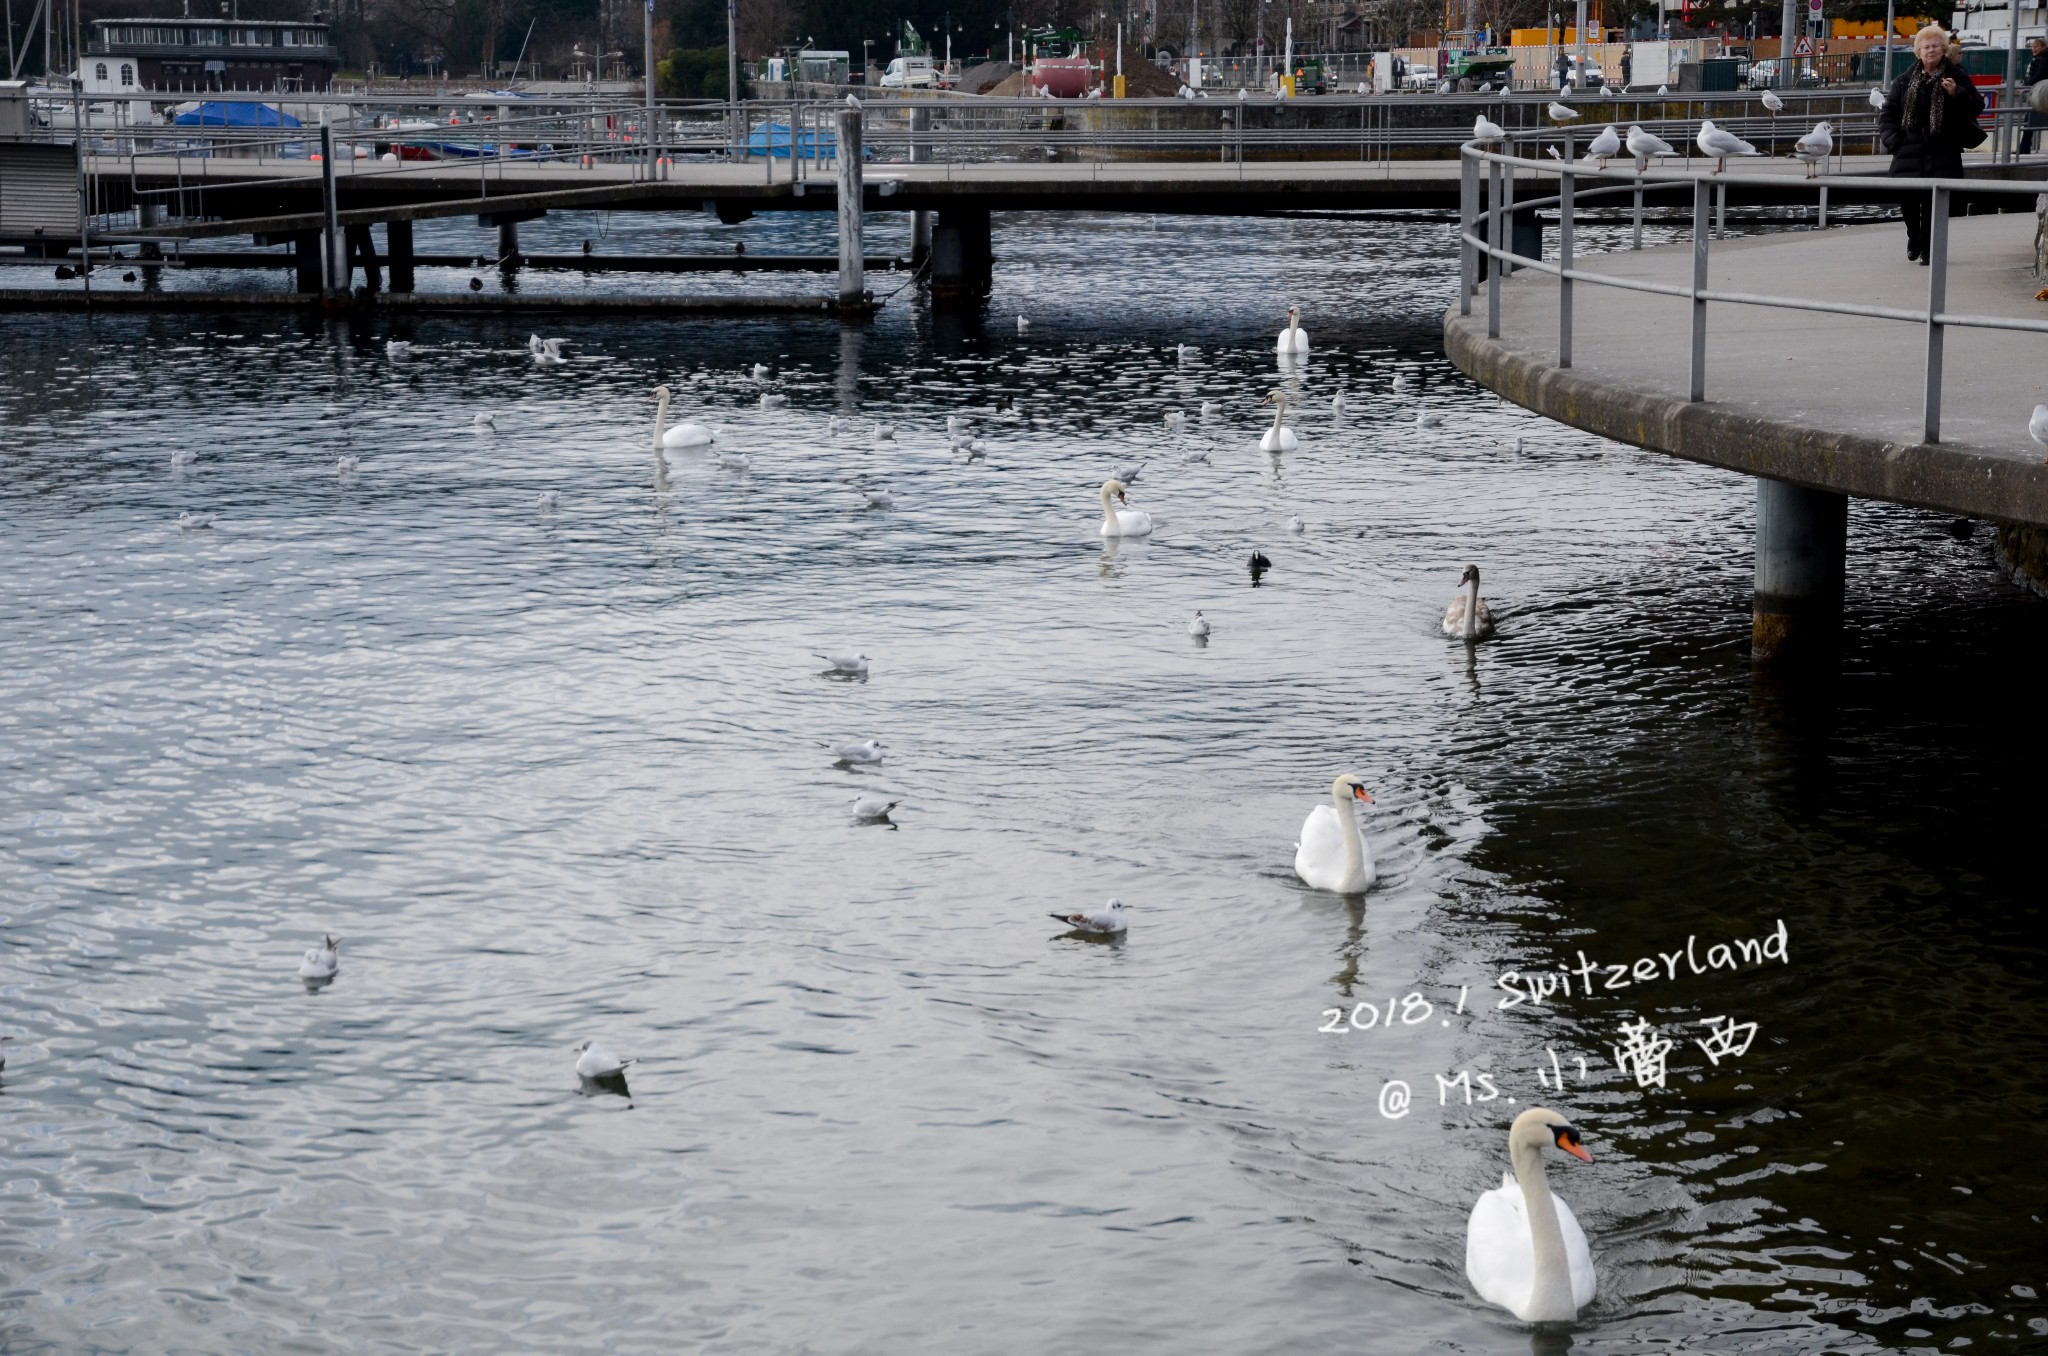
(1482, 230)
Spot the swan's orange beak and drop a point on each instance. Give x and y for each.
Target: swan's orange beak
(1360, 793)
(1570, 1144)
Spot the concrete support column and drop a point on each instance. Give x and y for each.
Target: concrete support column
(398, 246)
(852, 212)
(363, 250)
(306, 250)
(333, 250)
(1801, 546)
(963, 263)
(508, 244)
(920, 238)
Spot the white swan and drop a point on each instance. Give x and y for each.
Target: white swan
(1523, 1249)
(1468, 616)
(682, 435)
(1293, 339)
(1333, 854)
(1279, 438)
(1122, 522)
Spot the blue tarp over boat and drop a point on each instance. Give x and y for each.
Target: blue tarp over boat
(772, 139)
(216, 113)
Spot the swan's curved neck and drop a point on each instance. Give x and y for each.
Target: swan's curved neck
(1293, 327)
(1354, 841)
(1279, 408)
(1108, 506)
(660, 418)
(1471, 609)
(1550, 1297)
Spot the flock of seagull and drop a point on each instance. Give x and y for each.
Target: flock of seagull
(1716, 143)
(1332, 853)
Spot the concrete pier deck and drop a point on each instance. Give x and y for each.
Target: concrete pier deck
(1823, 401)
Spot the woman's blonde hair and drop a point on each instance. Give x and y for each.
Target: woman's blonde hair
(1937, 30)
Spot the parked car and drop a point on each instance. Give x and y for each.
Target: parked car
(1764, 74)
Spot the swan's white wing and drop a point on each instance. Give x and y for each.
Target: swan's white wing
(1320, 854)
(1134, 522)
(1485, 616)
(1576, 1252)
(1454, 615)
(1500, 1252)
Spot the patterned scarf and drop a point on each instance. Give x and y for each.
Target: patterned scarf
(1925, 101)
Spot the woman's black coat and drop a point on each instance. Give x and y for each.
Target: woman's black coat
(1915, 153)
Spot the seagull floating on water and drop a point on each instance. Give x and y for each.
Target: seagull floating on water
(845, 663)
(184, 456)
(760, 371)
(1209, 408)
(489, 421)
(1428, 419)
(1191, 458)
(1129, 475)
(594, 1061)
(1023, 323)
(1175, 421)
(322, 961)
(1185, 352)
(1198, 626)
(880, 499)
(873, 809)
(549, 501)
(771, 400)
(1105, 921)
(1401, 386)
(192, 521)
(835, 426)
(1338, 404)
(346, 463)
(885, 433)
(397, 348)
(1296, 525)
(867, 751)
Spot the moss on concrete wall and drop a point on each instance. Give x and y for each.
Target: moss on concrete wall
(2023, 556)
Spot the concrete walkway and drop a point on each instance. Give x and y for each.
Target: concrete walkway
(1830, 402)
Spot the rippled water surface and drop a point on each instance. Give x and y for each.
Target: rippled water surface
(557, 774)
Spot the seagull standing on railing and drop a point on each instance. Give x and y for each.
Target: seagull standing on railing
(1877, 99)
(1642, 146)
(1773, 102)
(1815, 147)
(1486, 129)
(1561, 113)
(1719, 143)
(1604, 147)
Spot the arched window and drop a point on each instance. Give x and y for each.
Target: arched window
(99, 72)
(127, 75)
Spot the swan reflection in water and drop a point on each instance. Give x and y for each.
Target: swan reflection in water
(1114, 549)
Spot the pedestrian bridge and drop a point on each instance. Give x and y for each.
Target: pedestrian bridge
(1819, 361)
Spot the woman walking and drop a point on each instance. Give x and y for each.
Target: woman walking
(1929, 120)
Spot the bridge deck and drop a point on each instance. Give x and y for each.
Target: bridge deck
(1832, 402)
(281, 196)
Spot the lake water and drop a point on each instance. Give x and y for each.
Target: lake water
(557, 775)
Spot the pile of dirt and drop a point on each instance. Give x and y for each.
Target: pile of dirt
(984, 78)
(1142, 79)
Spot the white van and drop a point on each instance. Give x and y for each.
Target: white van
(910, 73)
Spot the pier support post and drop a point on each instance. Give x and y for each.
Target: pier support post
(920, 238)
(333, 251)
(963, 264)
(508, 244)
(1801, 547)
(852, 212)
(398, 247)
(363, 250)
(306, 260)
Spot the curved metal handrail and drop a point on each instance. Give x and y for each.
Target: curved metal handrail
(1502, 170)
